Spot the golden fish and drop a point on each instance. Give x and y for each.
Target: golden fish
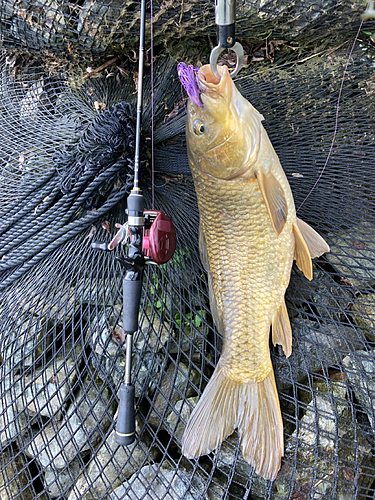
(249, 236)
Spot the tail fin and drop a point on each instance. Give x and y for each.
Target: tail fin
(253, 407)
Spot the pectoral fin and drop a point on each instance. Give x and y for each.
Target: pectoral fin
(274, 198)
(302, 254)
(315, 243)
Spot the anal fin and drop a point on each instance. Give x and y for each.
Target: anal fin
(281, 330)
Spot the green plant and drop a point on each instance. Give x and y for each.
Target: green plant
(194, 319)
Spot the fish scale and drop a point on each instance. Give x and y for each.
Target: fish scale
(248, 274)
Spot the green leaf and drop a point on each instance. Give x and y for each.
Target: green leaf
(197, 321)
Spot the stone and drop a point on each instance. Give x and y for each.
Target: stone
(108, 356)
(360, 370)
(352, 254)
(168, 482)
(329, 299)
(326, 435)
(12, 421)
(45, 392)
(23, 341)
(153, 332)
(59, 442)
(316, 346)
(229, 459)
(176, 381)
(179, 416)
(363, 313)
(113, 464)
(57, 481)
(189, 336)
(16, 480)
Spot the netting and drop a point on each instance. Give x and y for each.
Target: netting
(108, 26)
(66, 162)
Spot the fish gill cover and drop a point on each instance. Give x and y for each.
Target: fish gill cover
(61, 338)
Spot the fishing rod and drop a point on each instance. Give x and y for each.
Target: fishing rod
(150, 237)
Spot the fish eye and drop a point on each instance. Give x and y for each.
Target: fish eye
(198, 127)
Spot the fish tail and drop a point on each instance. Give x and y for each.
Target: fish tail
(252, 407)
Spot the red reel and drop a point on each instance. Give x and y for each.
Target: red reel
(159, 239)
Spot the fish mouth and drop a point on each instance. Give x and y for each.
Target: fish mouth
(210, 84)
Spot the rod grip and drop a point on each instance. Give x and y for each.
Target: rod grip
(125, 426)
(132, 291)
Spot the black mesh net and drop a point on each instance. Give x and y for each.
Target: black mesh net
(107, 26)
(66, 166)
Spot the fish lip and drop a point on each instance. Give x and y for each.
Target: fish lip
(213, 84)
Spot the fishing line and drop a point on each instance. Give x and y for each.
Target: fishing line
(337, 118)
(152, 107)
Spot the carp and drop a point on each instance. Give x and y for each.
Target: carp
(249, 236)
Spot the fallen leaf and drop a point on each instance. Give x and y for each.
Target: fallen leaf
(257, 59)
(345, 281)
(107, 226)
(298, 495)
(271, 47)
(358, 244)
(92, 232)
(119, 334)
(135, 78)
(349, 474)
(99, 106)
(123, 72)
(174, 112)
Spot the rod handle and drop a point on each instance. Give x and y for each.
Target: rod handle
(125, 426)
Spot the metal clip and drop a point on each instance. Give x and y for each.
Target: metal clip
(215, 53)
(225, 18)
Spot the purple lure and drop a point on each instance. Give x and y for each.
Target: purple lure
(188, 76)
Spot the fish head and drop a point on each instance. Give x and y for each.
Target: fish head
(223, 135)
